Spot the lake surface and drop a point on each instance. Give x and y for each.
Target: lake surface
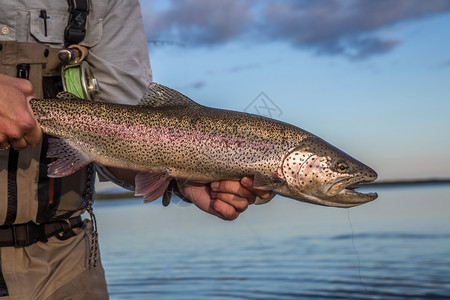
(396, 247)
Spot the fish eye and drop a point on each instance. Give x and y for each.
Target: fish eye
(342, 167)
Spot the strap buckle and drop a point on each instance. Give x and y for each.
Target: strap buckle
(27, 234)
(17, 241)
(66, 231)
(75, 30)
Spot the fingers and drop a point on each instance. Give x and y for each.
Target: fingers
(18, 126)
(18, 134)
(22, 84)
(34, 136)
(34, 133)
(224, 210)
(232, 192)
(232, 187)
(230, 198)
(19, 144)
(225, 199)
(4, 145)
(25, 86)
(239, 204)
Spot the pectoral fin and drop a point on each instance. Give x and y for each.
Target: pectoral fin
(68, 160)
(151, 184)
(265, 182)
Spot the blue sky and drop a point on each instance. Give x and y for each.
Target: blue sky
(370, 77)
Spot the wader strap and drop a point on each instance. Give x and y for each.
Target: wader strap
(76, 29)
(3, 287)
(23, 235)
(23, 72)
(11, 212)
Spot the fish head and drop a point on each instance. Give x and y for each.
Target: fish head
(319, 173)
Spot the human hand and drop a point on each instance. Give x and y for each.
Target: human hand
(18, 126)
(225, 199)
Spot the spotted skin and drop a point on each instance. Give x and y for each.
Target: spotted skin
(186, 140)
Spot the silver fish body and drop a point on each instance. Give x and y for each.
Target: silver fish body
(170, 136)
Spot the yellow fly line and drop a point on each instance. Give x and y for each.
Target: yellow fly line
(72, 80)
(80, 81)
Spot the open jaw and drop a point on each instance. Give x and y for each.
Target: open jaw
(351, 189)
(345, 193)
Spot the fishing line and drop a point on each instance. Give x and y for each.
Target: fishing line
(255, 235)
(354, 248)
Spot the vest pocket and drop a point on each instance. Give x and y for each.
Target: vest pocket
(48, 27)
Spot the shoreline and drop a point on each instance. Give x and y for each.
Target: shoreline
(401, 182)
(107, 195)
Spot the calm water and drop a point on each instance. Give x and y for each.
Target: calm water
(394, 248)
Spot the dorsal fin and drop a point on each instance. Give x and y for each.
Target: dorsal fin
(67, 96)
(158, 95)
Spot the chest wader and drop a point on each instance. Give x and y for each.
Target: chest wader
(34, 207)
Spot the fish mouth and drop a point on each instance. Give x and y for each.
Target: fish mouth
(351, 189)
(346, 191)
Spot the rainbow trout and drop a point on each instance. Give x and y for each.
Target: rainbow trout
(170, 136)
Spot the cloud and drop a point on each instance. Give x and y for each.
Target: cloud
(345, 27)
(444, 64)
(349, 28)
(198, 84)
(199, 22)
(239, 68)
